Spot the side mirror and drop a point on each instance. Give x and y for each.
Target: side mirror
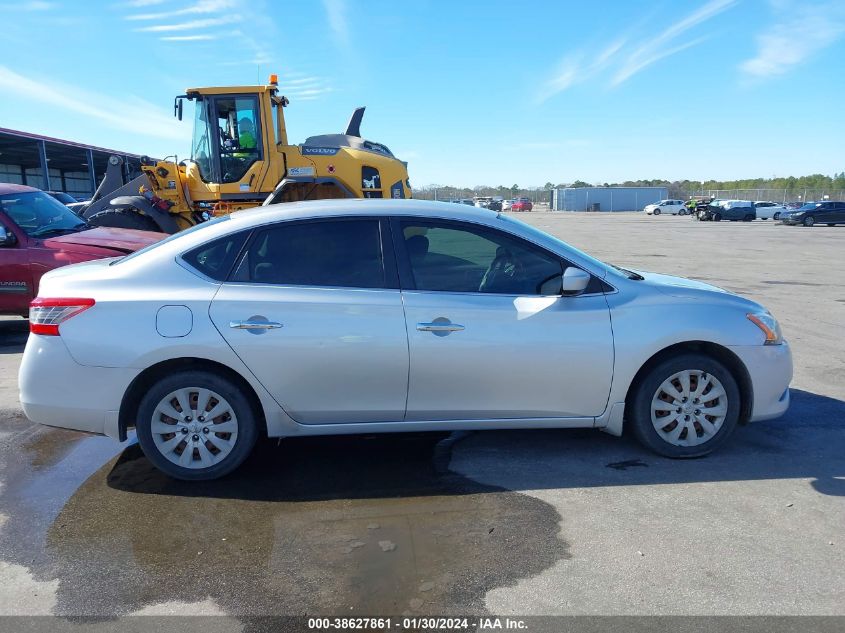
(177, 108)
(575, 281)
(7, 238)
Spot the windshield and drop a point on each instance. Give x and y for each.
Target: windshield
(809, 206)
(200, 144)
(40, 215)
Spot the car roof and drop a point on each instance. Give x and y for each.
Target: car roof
(7, 187)
(352, 207)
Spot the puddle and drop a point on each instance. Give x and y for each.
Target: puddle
(338, 525)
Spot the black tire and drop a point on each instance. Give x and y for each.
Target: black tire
(124, 219)
(247, 428)
(829, 224)
(638, 413)
(657, 212)
(717, 217)
(748, 218)
(776, 216)
(809, 221)
(682, 212)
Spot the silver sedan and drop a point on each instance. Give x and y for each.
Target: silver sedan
(363, 316)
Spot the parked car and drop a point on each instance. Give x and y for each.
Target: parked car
(38, 233)
(65, 198)
(673, 207)
(768, 210)
(315, 318)
(482, 202)
(522, 204)
(829, 212)
(507, 205)
(733, 210)
(495, 203)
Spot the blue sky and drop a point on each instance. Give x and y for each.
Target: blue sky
(468, 92)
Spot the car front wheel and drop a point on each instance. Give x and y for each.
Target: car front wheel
(196, 425)
(809, 221)
(685, 406)
(776, 216)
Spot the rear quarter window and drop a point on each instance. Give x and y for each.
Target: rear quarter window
(215, 259)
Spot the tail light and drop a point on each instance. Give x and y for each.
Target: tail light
(46, 314)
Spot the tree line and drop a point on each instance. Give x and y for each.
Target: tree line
(817, 182)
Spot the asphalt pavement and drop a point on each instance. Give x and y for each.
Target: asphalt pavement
(529, 522)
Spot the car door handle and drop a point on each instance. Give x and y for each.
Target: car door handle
(440, 327)
(255, 325)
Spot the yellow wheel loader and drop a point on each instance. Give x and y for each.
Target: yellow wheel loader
(240, 158)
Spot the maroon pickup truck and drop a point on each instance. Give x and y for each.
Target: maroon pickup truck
(39, 233)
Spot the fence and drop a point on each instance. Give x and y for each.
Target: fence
(773, 195)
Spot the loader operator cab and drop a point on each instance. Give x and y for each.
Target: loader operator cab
(226, 136)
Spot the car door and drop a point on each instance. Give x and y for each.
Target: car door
(487, 338)
(16, 285)
(314, 310)
(838, 212)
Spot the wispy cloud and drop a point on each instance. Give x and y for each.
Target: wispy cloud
(190, 26)
(129, 114)
(201, 7)
(189, 38)
(33, 5)
(301, 87)
(336, 11)
(666, 44)
(572, 69)
(624, 58)
(800, 31)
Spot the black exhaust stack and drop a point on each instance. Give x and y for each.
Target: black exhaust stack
(353, 128)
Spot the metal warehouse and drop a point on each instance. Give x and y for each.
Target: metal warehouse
(75, 168)
(605, 198)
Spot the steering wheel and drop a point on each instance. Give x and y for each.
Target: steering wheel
(503, 270)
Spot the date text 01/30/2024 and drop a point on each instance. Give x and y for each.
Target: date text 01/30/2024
(417, 623)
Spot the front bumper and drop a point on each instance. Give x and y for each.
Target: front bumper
(770, 369)
(57, 391)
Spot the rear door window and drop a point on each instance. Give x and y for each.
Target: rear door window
(345, 253)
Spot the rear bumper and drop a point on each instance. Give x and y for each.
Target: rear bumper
(770, 369)
(57, 391)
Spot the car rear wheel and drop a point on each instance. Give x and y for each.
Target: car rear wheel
(682, 212)
(809, 221)
(776, 216)
(685, 406)
(748, 218)
(196, 425)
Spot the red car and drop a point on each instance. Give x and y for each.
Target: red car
(39, 233)
(522, 204)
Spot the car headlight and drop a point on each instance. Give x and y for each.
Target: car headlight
(768, 325)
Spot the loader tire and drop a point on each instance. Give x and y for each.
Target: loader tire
(124, 219)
